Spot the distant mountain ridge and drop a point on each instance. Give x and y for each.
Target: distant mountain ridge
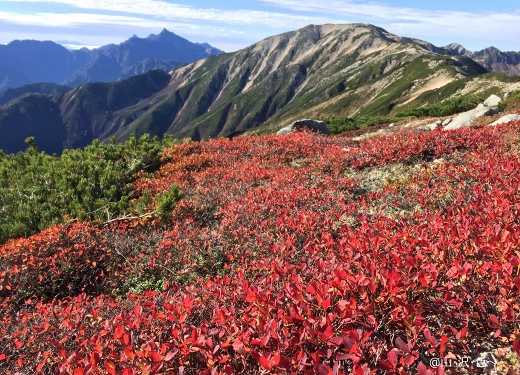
(492, 58)
(28, 61)
(313, 72)
(36, 88)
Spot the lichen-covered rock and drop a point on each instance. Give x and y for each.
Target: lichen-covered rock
(306, 124)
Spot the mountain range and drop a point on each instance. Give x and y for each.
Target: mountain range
(491, 58)
(316, 71)
(29, 61)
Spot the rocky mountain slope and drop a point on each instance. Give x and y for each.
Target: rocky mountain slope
(343, 69)
(30, 61)
(317, 71)
(491, 58)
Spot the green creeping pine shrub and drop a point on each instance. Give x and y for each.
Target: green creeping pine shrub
(445, 108)
(37, 190)
(339, 125)
(166, 201)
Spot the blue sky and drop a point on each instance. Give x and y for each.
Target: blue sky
(231, 25)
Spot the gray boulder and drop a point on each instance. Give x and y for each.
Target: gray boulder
(466, 118)
(492, 101)
(504, 119)
(305, 124)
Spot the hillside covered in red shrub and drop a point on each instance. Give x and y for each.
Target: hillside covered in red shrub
(300, 254)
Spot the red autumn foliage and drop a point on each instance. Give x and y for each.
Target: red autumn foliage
(263, 273)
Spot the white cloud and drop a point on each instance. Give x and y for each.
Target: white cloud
(165, 10)
(76, 19)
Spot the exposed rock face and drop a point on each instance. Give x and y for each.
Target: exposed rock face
(491, 58)
(466, 118)
(505, 119)
(498, 61)
(306, 124)
(492, 101)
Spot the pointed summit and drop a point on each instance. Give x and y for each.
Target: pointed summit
(458, 49)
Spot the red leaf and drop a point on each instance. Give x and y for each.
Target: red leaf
(423, 370)
(428, 336)
(110, 367)
(40, 366)
(81, 371)
(156, 368)
(392, 358)
(516, 346)
(156, 357)
(328, 332)
(323, 370)
(444, 340)
(276, 359)
(385, 364)
(128, 371)
(169, 356)
(325, 303)
(2, 357)
(517, 282)
(402, 345)
(409, 360)
(461, 334)
(265, 363)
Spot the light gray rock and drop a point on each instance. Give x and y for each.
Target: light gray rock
(305, 124)
(466, 118)
(492, 101)
(446, 122)
(504, 119)
(429, 127)
(391, 125)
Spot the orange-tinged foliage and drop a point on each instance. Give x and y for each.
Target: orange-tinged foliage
(264, 273)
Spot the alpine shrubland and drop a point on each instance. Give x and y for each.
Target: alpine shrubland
(298, 254)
